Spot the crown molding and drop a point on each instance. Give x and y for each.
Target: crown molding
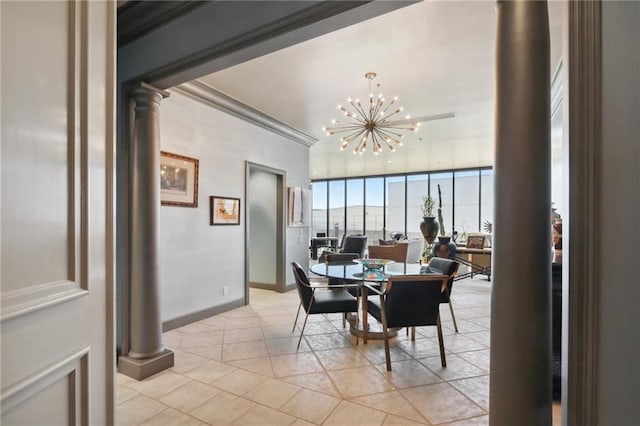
(223, 102)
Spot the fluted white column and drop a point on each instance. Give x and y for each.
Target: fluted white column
(521, 297)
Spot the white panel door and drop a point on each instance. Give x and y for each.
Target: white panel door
(56, 212)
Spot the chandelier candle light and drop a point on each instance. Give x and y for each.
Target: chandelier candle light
(371, 124)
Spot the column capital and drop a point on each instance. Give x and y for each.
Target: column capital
(143, 90)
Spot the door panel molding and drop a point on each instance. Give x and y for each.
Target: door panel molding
(30, 298)
(72, 368)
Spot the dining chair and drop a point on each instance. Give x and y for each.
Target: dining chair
(316, 299)
(408, 301)
(448, 267)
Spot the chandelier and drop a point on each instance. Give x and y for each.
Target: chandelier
(371, 124)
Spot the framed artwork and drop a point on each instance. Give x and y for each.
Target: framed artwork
(178, 180)
(475, 241)
(224, 210)
(299, 206)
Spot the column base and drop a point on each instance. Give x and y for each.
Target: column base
(140, 369)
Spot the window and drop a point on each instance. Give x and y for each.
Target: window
(445, 180)
(319, 220)
(466, 204)
(395, 205)
(374, 210)
(417, 187)
(355, 206)
(336, 208)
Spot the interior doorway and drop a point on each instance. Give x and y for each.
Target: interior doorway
(265, 229)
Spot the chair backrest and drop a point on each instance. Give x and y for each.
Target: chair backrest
(354, 244)
(397, 252)
(341, 257)
(303, 285)
(413, 300)
(445, 267)
(321, 234)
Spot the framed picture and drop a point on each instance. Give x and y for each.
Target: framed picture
(178, 180)
(224, 210)
(475, 241)
(299, 206)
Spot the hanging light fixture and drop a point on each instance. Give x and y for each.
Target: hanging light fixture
(371, 124)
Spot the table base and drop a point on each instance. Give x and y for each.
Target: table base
(375, 330)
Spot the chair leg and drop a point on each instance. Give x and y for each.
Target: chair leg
(455, 325)
(385, 332)
(413, 334)
(296, 320)
(344, 320)
(306, 315)
(443, 360)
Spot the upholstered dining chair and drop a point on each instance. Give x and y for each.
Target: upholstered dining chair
(322, 299)
(351, 244)
(448, 267)
(408, 301)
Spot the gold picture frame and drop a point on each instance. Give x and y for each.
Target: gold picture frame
(178, 180)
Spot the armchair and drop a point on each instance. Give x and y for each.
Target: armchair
(408, 301)
(321, 299)
(351, 244)
(448, 267)
(408, 251)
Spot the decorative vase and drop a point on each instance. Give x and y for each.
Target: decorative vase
(444, 247)
(429, 228)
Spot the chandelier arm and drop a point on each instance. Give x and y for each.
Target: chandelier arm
(378, 107)
(389, 106)
(385, 138)
(353, 136)
(360, 110)
(393, 113)
(343, 129)
(384, 129)
(376, 143)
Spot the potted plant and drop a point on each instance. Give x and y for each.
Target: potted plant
(443, 247)
(428, 226)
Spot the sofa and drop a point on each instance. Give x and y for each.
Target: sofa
(405, 251)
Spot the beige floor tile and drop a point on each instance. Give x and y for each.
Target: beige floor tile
(408, 373)
(457, 368)
(201, 339)
(244, 350)
(159, 384)
(257, 365)
(374, 352)
(348, 413)
(337, 359)
(185, 361)
(557, 414)
(391, 402)
(124, 393)
(241, 323)
(317, 327)
(421, 348)
(172, 417)
(137, 410)
(480, 359)
(198, 328)
(286, 345)
(272, 393)
(122, 379)
(482, 337)
(189, 396)
(400, 421)
(474, 421)
(462, 343)
(210, 371)
(242, 335)
(441, 403)
(213, 352)
(279, 331)
(263, 416)
(359, 381)
(294, 364)
(475, 388)
(278, 319)
(315, 381)
(239, 382)
(321, 342)
(223, 409)
(300, 422)
(172, 338)
(311, 406)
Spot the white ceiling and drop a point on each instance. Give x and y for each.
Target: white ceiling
(437, 56)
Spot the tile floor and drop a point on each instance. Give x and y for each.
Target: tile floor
(242, 368)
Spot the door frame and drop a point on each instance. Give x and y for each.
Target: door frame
(280, 243)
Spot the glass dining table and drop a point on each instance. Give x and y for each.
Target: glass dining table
(356, 273)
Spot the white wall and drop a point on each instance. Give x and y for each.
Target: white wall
(197, 260)
(263, 187)
(619, 334)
